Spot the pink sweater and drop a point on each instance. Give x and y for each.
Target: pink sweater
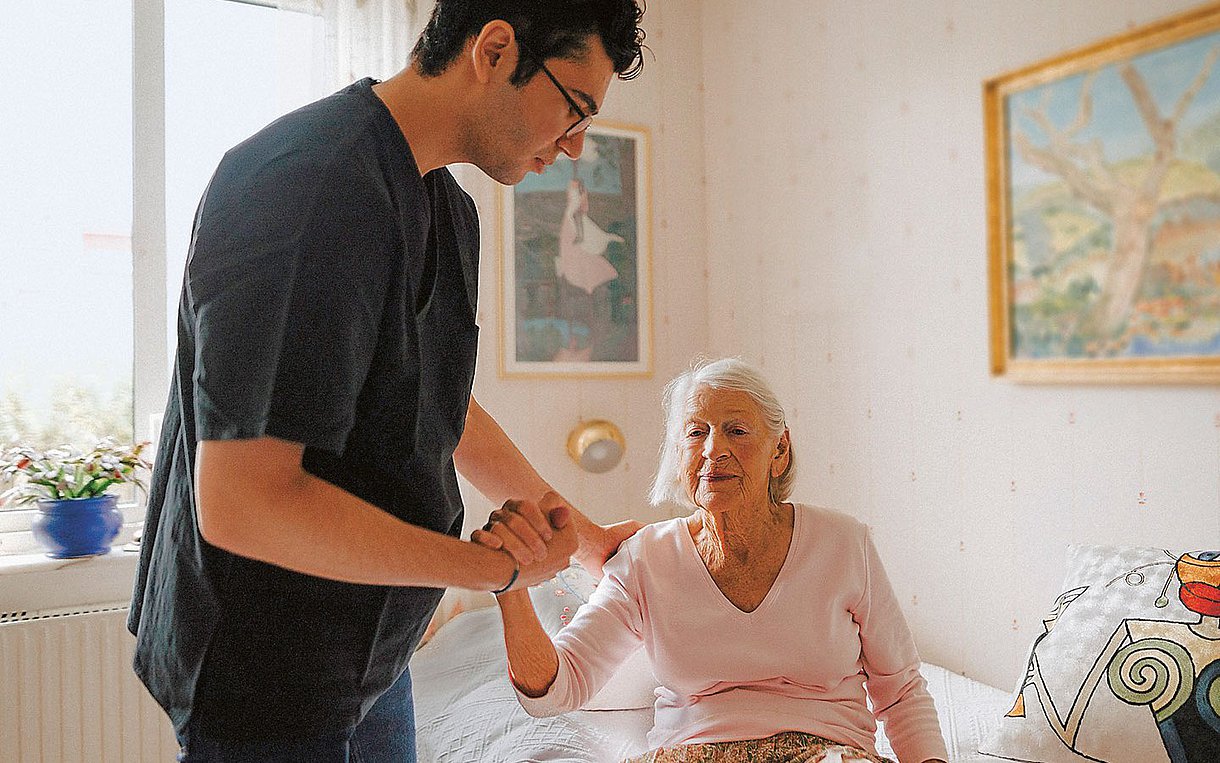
(829, 629)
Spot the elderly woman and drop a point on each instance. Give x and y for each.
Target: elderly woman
(769, 624)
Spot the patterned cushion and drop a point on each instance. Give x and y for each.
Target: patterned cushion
(1126, 668)
(556, 601)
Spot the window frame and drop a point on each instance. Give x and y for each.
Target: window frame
(150, 374)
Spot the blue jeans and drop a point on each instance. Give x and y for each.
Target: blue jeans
(387, 732)
(385, 735)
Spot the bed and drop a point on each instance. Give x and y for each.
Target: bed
(466, 711)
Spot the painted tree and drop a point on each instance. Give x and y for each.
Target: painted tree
(1129, 201)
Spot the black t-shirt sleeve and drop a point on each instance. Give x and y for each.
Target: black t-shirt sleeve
(288, 279)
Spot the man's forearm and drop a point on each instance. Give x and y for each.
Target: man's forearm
(488, 458)
(287, 517)
(497, 469)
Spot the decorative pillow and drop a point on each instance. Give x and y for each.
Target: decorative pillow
(454, 602)
(1127, 669)
(556, 601)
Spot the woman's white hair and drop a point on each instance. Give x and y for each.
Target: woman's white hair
(729, 374)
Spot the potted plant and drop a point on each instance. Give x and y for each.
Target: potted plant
(76, 514)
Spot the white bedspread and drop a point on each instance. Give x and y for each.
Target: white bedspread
(467, 713)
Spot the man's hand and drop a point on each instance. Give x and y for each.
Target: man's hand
(600, 542)
(523, 529)
(539, 536)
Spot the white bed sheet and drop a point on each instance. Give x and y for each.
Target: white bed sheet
(466, 712)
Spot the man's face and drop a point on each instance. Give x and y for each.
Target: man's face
(523, 128)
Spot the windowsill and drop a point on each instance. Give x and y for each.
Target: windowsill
(16, 564)
(35, 582)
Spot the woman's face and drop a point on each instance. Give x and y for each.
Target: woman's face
(728, 456)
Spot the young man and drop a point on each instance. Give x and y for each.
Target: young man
(304, 511)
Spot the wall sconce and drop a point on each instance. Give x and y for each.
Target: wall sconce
(596, 445)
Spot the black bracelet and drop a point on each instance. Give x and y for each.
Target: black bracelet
(513, 579)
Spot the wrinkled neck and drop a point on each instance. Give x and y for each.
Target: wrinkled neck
(729, 537)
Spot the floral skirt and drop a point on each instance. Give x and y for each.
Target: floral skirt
(785, 747)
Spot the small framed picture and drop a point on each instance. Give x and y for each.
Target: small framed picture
(575, 281)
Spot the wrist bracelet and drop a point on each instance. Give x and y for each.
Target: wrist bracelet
(513, 579)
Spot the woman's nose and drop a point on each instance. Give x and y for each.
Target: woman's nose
(714, 448)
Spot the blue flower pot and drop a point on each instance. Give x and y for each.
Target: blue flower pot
(74, 527)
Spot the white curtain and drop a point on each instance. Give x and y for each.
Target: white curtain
(365, 38)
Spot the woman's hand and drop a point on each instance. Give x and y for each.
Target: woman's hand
(541, 538)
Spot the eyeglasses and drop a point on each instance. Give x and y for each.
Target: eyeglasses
(580, 125)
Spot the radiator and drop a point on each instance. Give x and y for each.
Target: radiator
(68, 694)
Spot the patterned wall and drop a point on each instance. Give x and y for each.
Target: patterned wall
(847, 255)
(819, 209)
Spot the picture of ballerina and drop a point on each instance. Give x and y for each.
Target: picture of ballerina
(582, 243)
(1170, 666)
(574, 270)
(583, 275)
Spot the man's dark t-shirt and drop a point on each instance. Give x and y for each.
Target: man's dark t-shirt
(329, 299)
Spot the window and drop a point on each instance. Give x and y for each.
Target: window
(94, 233)
(65, 232)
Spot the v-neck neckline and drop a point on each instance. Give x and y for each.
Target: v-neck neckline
(779, 576)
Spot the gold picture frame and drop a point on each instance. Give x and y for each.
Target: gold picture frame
(1103, 189)
(575, 264)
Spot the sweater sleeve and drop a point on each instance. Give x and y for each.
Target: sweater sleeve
(603, 633)
(898, 691)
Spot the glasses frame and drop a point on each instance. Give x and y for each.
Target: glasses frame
(580, 125)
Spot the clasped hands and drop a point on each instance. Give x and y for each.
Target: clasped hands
(539, 536)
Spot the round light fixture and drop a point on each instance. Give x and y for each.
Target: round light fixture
(596, 445)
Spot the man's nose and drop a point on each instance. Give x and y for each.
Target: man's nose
(573, 145)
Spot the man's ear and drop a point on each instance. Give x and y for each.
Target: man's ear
(494, 51)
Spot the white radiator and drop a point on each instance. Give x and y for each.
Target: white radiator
(68, 694)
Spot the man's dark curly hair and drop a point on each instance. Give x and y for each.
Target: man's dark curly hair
(544, 28)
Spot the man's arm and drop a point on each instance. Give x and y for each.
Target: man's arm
(256, 500)
(499, 470)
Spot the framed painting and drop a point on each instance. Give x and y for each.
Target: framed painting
(1103, 177)
(575, 263)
